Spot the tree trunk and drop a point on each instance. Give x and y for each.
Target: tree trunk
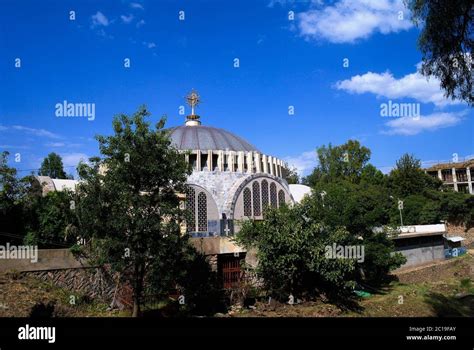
(136, 307)
(137, 289)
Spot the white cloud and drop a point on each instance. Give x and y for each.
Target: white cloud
(127, 19)
(409, 126)
(136, 5)
(150, 45)
(33, 131)
(304, 162)
(14, 147)
(412, 85)
(62, 145)
(99, 19)
(73, 159)
(55, 144)
(346, 21)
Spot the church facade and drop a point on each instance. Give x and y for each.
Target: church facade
(231, 181)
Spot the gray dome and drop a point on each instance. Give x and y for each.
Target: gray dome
(198, 137)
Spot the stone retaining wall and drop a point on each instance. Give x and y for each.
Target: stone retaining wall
(95, 282)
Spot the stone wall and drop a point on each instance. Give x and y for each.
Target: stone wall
(63, 269)
(96, 283)
(219, 184)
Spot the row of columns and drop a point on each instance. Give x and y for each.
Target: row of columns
(455, 180)
(249, 162)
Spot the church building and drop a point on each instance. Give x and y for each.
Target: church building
(231, 181)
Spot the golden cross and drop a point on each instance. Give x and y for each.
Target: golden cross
(193, 100)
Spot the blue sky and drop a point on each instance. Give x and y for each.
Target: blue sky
(285, 59)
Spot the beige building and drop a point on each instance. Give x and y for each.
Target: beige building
(457, 176)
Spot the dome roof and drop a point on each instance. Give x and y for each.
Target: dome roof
(198, 137)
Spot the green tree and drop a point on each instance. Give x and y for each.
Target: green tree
(408, 178)
(291, 253)
(52, 166)
(291, 175)
(127, 205)
(372, 176)
(457, 208)
(48, 219)
(11, 192)
(9, 184)
(346, 161)
(359, 208)
(180, 267)
(446, 43)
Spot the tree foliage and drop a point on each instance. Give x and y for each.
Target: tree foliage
(48, 219)
(359, 208)
(127, 203)
(52, 166)
(181, 268)
(408, 178)
(446, 43)
(291, 175)
(346, 161)
(291, 254)
(11, 192)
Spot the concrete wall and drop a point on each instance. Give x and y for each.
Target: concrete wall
(213, 246)
(422, 255)
(48, 259)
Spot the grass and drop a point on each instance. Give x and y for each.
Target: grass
(441, 290)
(19, 295)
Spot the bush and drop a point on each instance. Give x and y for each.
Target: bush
(291, 255)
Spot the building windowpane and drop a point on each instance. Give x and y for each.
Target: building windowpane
(191, 209)
(247, 203)
(281, 198)
(273, 195)
(264, 193)
(256, 199)
(202, 212)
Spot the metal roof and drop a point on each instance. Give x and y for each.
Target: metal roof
(198, 137)
(455, 239)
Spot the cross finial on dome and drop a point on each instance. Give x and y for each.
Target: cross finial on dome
(193, 99)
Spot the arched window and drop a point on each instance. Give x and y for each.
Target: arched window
(281, 198)
(273, 195)
(247, 203)
(264, 193)
(257, 211)
(202, 212)
(191, 209)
